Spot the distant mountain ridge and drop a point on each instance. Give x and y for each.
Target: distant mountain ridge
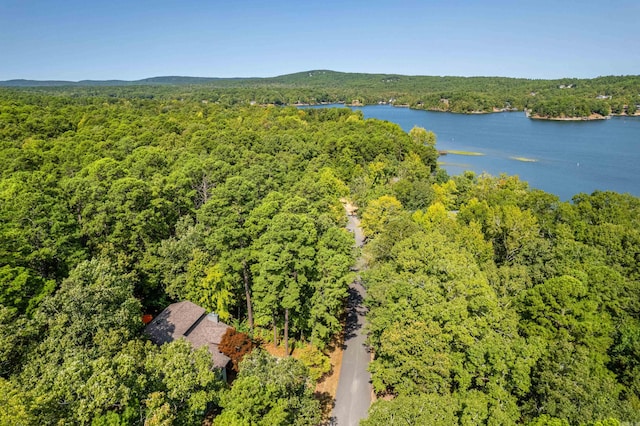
(321, 79)
(313, 78)
(171, 80)
(304, 78)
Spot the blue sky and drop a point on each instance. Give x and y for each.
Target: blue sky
(74, 40)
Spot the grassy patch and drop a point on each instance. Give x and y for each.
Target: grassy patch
(470, 153)
(524, 159)
(447, 163)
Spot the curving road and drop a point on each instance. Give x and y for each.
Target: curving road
(353, 396)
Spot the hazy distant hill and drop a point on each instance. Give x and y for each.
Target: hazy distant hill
(315, 78)
(291, 79)
(59, 83)
(165, 80)
(174, 80)
(327, 78)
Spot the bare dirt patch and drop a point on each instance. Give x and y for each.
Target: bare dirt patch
(328, 385)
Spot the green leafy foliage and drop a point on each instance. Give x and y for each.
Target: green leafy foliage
(270, 391)
(183, 380)
(317, 362)
(515, 309)
(429, 409)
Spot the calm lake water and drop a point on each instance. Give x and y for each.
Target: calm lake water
(570, 157)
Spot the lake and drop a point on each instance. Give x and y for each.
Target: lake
(570, 156)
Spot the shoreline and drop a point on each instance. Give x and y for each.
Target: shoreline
(592, 117)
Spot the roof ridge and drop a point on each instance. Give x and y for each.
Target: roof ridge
(194, 325)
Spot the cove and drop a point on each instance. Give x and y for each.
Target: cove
(561, 157)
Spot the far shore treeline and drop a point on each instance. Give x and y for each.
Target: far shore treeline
(490, 303)
(560, 98)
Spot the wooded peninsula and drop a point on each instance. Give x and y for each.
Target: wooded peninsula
(490, 303)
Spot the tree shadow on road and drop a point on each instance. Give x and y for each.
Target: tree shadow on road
(326, 405)
(354, 308)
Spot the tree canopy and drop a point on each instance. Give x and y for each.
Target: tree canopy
(509, 310)
(489, 302)
(113, 205)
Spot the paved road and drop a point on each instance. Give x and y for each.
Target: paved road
(353, 396)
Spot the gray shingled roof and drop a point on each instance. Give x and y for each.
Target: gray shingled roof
(189, 321)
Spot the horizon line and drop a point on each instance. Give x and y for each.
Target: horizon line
(89, 80)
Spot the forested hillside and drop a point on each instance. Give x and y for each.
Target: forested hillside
(561, 98)
(489, 303)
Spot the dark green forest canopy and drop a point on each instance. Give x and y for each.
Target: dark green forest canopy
(116, 201)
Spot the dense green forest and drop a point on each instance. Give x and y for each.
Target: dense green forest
(490, 303)
(502, 305)
(568, 97)
(115, 207)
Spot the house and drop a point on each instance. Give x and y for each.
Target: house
(186, 320)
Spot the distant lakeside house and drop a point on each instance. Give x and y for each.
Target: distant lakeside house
(186, 320)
